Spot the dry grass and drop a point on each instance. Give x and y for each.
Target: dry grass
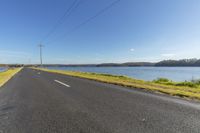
(6, 75)
(181, 91)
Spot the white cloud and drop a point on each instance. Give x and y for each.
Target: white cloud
(168, 55)
(132, 49)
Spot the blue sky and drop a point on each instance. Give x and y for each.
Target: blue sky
(132, 30)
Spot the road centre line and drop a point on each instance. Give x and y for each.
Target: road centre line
(62, 83)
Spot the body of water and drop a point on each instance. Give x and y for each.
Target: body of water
(2, 69)
(144, 73)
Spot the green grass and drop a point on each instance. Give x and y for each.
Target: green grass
(6, 75)
(192, 84)
(182, 89)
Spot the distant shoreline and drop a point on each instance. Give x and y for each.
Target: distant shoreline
(164, 63)
(109, 66)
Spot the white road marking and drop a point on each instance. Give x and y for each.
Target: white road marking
(62, 83)
(143, 120)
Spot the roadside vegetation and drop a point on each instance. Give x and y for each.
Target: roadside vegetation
(165, 81)
(182, 89)
(8, 74)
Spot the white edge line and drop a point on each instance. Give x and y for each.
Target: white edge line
(62, 83)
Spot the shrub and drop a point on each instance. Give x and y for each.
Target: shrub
(196, 81)
(161, 80)
(189, 84)
(164, 81)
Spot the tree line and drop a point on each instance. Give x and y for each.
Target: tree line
(168, 63)
(183, 62)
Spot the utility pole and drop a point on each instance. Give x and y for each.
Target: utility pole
(40, 46)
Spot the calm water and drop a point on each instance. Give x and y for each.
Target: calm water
(2, 69)
(145, 73)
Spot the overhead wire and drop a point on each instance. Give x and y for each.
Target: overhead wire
(90, 18)
(62, 19)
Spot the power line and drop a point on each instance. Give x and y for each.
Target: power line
(92, 17)
(96, 15)
(65, 16)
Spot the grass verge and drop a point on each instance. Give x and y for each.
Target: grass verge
(6, 75)
(171, 89)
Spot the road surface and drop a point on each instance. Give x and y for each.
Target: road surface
(40, 102)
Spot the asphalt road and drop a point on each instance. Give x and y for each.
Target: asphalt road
(41, 102)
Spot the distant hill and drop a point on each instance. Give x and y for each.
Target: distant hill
(108, 64)
(167, 63)
(138, 64)
(183, 62)
(128, 64)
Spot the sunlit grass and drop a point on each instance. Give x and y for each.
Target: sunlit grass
(6, 75)
(193, 83)
(182, 89)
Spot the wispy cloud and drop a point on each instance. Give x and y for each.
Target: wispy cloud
(132, 49)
